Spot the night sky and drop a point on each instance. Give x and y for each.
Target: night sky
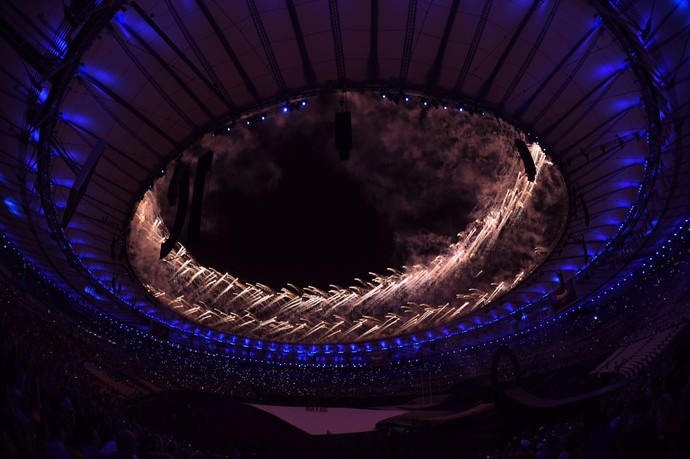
(312, 227)
(280, 207)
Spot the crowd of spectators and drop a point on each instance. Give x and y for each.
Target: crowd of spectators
(51, 406)
(54, 404)
(649, 418)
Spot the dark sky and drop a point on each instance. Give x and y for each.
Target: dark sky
(313, 227)
(280, 207)
(439, 195)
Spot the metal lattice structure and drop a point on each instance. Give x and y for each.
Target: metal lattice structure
(603, 84)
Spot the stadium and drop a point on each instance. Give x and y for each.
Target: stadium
(345, 205)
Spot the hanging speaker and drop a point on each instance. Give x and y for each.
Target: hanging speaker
(526, 156)
(343, 134)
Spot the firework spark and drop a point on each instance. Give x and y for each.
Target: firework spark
(418, 297)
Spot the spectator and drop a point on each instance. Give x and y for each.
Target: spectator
(126, 445)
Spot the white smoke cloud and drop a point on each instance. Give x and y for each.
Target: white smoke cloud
(413, 165)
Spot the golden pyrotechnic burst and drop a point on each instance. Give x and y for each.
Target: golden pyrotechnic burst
(403, 301)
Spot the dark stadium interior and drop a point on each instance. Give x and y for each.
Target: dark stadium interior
(347, 229)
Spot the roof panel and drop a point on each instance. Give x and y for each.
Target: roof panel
(583, 111)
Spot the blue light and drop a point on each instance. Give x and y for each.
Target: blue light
(90, 291)
(43, 95)
(623, 104)
(76, 119)
(631, 161)
(105, 77)
(604, 70)
(63, 181)
(14, 207)
(624, 184)
(135, 24)
(120, 22)
(599, 237)
(59, 46)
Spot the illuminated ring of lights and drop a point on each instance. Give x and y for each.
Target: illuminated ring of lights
(73, 255)
(383, 307)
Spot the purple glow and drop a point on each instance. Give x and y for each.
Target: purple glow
(14, 207)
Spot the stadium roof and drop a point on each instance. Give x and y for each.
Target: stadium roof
(603, 85)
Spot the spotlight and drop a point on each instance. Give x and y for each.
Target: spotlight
(262, 117)
(425, 103)
(286, 108)
(248, 122)
(228, 129)
(303, 103)
(383, 95)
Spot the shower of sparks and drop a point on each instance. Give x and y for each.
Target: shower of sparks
(471, 273)
(399, 302)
